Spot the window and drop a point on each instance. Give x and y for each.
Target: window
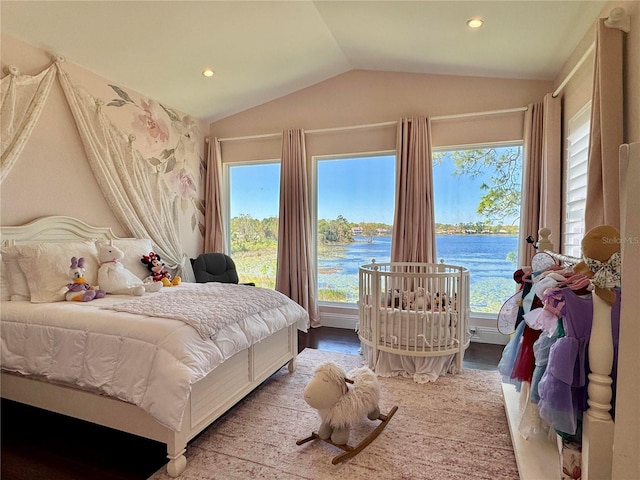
(254, 193)
(477, 208)
(477, 195)
(575, 188)
(355, 208)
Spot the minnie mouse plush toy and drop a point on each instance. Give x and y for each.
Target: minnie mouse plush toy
(158, 273)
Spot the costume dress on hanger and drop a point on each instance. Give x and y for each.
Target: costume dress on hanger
(563, 386)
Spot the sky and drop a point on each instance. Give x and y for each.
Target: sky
(359, 189)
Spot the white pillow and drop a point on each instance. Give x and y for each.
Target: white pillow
(46, 266)
(134, 249)
(16, 287)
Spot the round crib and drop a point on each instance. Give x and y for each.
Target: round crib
(414, 318)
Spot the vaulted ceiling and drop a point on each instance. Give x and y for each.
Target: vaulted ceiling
(262, 50)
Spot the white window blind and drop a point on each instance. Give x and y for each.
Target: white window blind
(576, 181)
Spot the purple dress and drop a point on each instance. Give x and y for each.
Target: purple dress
(563, 386)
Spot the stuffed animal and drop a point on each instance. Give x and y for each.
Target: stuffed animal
(440, 302)
(79, 290)
(113, 277)
(420, 299)
(392, 298)
(601, 260)
(158, 273)
(341, 403)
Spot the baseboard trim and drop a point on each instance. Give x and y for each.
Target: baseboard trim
(339, 320)
(488, 335)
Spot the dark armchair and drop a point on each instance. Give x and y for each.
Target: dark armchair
(215, 267)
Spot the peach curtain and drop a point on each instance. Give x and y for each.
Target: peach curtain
(214, 234)
(413, 237)
(295, 275)
(541, 184)
(551, 171)
(606, 135)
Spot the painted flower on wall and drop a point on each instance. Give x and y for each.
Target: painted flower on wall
(170, 143)
(153, 128)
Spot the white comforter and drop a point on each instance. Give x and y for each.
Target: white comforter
(207, 307)
(148, 361)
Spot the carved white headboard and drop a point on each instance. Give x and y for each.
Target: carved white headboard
(55, 228)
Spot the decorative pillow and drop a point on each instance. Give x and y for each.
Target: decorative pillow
(134, 249)
(46, 266)
(14, 281)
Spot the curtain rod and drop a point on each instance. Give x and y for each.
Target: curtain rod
(382, 124)
(574, 70)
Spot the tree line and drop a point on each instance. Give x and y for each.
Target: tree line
(250, 234)
(500, 201)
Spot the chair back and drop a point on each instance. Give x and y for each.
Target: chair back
(215, 267)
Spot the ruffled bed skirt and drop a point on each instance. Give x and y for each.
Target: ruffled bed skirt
(421, 369)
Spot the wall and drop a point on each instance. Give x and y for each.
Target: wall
(577, 91)
(626, 463)
(52, 175)
(372, 97)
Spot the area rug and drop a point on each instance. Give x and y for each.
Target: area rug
(454, 428)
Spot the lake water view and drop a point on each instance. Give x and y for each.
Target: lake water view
(487, 257)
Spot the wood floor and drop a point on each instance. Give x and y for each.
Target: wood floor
(481, 356)
(33, 447)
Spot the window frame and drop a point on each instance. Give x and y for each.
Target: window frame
(313, 179)
(226, 193)
(479, 146)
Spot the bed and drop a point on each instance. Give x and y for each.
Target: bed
(106, 362)
(414, 318)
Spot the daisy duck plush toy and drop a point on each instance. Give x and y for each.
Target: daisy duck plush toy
(79, 290)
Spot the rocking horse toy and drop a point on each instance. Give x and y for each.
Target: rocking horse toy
(341, 402)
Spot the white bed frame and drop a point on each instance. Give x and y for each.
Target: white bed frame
(210, 397)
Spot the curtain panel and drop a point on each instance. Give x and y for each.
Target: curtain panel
(530, 206)
(606, 133)
(22, 98)
(541, 184)
(295, 275)
(551, 171)
(413, 238)
(214, 233)
(139, 200)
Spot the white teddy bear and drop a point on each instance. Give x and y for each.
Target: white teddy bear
(113, 277)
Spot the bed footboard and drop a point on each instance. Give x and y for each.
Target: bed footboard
(210, 397)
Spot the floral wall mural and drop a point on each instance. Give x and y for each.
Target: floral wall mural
(169, 141)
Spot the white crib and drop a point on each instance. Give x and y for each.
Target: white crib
(414, 318)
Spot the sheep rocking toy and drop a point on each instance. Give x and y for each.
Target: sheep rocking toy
(341, 403)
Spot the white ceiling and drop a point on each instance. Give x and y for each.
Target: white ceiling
(263, 50)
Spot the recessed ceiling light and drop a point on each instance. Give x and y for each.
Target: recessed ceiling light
(207, 72)
(475, 22)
